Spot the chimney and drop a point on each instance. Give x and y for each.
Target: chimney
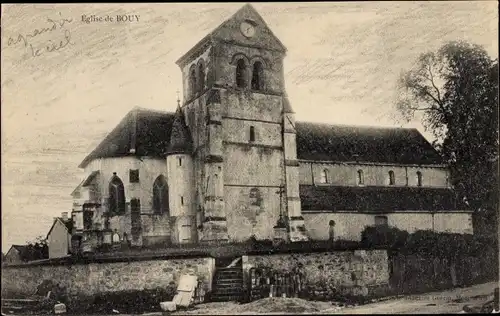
(64, 216)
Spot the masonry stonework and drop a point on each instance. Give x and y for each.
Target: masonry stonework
(345, 174)
(350, 225)
(347, 272)
(250, 169)
(95, 278)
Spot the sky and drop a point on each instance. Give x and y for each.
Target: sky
(57, 104)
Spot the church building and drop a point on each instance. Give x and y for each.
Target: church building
(233, 162)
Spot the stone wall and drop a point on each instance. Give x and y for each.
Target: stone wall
(84, 280)
(149, 170)
(359, 272)
(377, 175)
(350, 225)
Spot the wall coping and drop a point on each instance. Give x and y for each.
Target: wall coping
(201, 253)
(116, 258)
(387, 211)
(312, 247)
(373, 163)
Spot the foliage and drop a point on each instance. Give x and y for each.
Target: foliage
(267, 246)
(36, 250)
(129, 301)
(428, 242)
(391, 237)
(454, 91)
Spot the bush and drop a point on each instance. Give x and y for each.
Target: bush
(383, 236)
(427, 242)
(131, 301)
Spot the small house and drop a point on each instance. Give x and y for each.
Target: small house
(16, 254)
(59, 237)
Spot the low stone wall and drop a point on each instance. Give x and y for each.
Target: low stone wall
(86, 280)
(356, 273)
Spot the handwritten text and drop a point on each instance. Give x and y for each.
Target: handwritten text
(31, 40)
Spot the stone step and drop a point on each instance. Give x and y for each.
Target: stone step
(235, 283)
(229, 276)
(235, 268)
(229, 271)
(228, 286)
(230, 279)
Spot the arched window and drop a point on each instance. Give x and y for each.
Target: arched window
(331, 230)
(419, 178)
(391, 177)
(252, 133)
(361, 177)
(241, 72)
(201, 77)
(116, 195)
(160, 196)
(324, 176)
(192, 82)
(257, 76)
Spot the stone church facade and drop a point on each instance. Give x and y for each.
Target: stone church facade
(232, 162)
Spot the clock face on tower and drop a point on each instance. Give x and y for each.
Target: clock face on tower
(247, 29)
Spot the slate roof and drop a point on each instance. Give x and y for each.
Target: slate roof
(23, 251)
(378, 199)
(148, 133)
(142, 132)
(20, 248)
(180, 136)
(365, 144)
(90, 178)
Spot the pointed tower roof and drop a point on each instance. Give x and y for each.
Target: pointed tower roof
(229, 31)
(287, 108)
(180, 136)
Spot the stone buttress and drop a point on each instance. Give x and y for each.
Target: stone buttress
(294, 219)
(214, 226)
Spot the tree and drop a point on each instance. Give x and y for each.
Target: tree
(37, 249)
(454, 91)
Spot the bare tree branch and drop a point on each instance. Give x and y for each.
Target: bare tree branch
(422, 109)
(440, 102)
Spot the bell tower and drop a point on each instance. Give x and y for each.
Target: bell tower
(234, 103)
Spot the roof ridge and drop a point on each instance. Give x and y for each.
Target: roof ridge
(143, 109)
(357, 125)
(203, 39)
(212, 32)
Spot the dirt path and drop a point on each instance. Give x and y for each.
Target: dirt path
(450, 301)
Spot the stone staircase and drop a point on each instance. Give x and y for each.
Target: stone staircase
(228, 283)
